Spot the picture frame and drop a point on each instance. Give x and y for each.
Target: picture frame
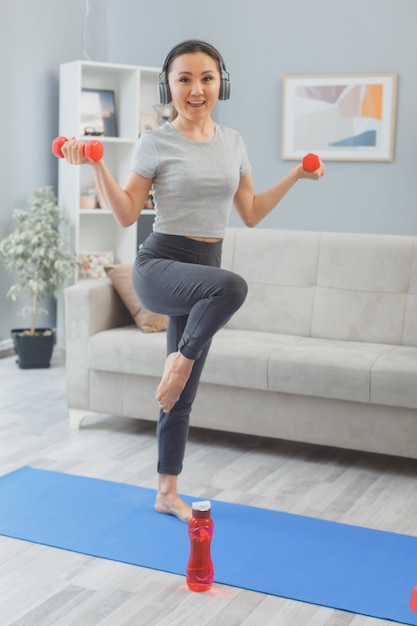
(340, 117)
(98, 113)
(147, 120)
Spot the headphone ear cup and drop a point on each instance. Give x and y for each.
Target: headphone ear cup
(164, 90)
(224, 93)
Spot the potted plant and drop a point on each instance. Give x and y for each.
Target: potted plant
(36, 252)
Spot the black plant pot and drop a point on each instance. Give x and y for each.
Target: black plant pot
(33, 351)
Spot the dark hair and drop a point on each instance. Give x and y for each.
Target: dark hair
(192, 46)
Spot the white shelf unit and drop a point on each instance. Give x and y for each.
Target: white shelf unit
(135, 91)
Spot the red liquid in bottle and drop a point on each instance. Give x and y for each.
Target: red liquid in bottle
(200, 571)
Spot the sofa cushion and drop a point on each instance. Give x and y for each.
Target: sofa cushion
(355, 371)
(236, 358)
(146, 321)
(280, 269)
(128, 351)
(325, 368)
(362, 284)
(239, 358)
(355, 315)
(410, 327)
(342, 286)
(394, 378)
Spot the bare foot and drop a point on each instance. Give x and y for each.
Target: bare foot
(177, 371)
(171, 504)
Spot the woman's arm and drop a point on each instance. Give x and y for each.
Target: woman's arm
(126, 203)
(253, 208)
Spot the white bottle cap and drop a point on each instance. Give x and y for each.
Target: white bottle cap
(204, 505)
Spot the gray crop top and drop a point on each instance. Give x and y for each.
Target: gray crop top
(193, 182)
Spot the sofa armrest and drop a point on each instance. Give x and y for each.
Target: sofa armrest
(91, 306)
(100, 305)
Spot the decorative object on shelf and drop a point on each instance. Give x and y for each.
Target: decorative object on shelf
(92, 264)
(346, 117)
(88, 199)
(164, 112)
(90, 131)
(37, 253)
(98, 113)
(149, 201)
(101, 204)
(147, 121)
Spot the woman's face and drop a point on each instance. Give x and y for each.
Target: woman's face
(194, 81)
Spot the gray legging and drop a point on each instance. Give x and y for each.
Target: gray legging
(181, 278)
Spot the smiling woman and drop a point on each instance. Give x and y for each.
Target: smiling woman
(190, 47)
(198, 170)
(195, 92)
(194, 47)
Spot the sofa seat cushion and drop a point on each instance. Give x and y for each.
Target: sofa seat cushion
(342, 370)
(394, 378)
(239, 358)
(236, 358)
(127, 350)
(326, 368)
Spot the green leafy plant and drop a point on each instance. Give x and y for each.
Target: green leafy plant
(37, 253)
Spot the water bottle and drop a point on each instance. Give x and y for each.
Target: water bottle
(200, 571)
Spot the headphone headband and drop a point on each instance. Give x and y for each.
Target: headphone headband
(164, 90)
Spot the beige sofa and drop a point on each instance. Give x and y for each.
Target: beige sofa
(324, 350)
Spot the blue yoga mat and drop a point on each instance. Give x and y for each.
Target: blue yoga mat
(336, 565)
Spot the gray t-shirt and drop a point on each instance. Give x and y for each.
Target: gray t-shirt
(193, 182)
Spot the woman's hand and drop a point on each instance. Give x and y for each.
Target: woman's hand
(318, 173)
(73, 151)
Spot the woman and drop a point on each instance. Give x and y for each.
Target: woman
(198, 170)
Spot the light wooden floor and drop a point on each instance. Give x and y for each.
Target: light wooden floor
(42, 586)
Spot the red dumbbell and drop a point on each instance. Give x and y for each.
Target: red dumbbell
(311, 162)
(93, 150)
(413, 601)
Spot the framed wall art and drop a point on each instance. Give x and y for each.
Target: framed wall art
(345, 117)
(98, 113)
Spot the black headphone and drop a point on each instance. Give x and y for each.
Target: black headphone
(164, 90)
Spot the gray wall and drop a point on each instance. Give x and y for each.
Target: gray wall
(261, 40)
(35, 37)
